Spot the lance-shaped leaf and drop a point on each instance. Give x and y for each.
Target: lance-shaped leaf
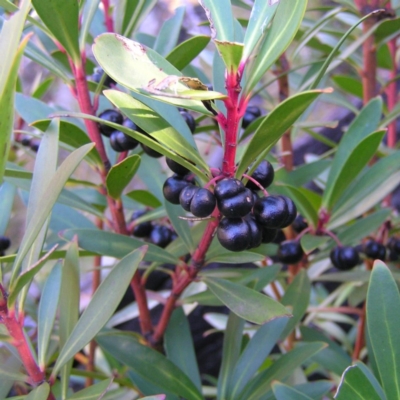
(245, 302)
(273, 126)
(11, 56)
(231, 54)
(121, 174)
(285, 392)
(62, 19)
(284, 26)
(133, 12)
(101, 307)
(93, 392)
(39, 393)
(142, 70)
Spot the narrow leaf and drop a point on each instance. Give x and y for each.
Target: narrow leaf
(284, 392)
(94, 392)
(121, 174)
(88, 13)
(246, 303)
(39, 393)
(99, 311)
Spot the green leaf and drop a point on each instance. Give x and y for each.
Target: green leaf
(144, 197)
(140, 69)
(373, 186)
(118, 246)
(383, 323)
(372, 378)
(62, 19)
(246, 303)
(7, 194)
(98, 310)
(39, 393)
(11, 52)
(42, 88)
(296, 297)
(311, 242)
(349, 85)
(183, 54)
(230, 353)
(178, 343)
(261, 15)
(120, 175)
(52, 191)
(284, 392)
(169, 33)
(93, 392)
(220, 17)
(88, 13)
(306, 172)
(149, 364)
(361, 127)
(69, 306)
(255, 354)
(280, 369)
(133, 12)
(233, 257)
(284, 26)
(273, 126)
(31, 109)
(47, 312)
(231, 54)
(355, 385)
(12, 374)
(351, 167)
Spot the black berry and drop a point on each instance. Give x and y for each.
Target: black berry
(34, 145)
(233, 199)
(119, 141)
(26, 141)
(186, 196)
(177, 168)
(190, 121)
(234, 234)
(161, 236)
(274, 211)
(263, 174)
(203, 203)
(173, 186)
(97, 75)
(290, 252)
(299, 224)
(144, 228)
(269, 235)
(394, 245)
(256, 235)
(5, 243)
(374, 250)
(251, 113)
(344, 258)
(150, 152)
(110, 116)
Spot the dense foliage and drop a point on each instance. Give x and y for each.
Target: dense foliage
(146, 176)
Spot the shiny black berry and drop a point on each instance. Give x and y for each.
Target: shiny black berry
(263, 174)
(186, 196)
(97, 75)
(150, 152)
(34, 145)
(233, 198)
(290, 252)
(190, 121)
(176, 167)
(203, 203)
(394, 245)
(374, 250)
(255, 231)
(274, 211)
(119, 141)
(161, 236)
(344, 258)
(251, 113)
(173, 186)
(299, 224)
(234, 234)
(269, 235)
(144, 228)
(5, 243)
(111, 116)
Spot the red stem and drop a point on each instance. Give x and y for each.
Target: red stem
(107, 16)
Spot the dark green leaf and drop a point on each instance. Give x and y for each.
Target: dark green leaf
(98, 311)
(284, 392)
(114, 245)
(306, 172)
(234, 258)
(361, 127)
(144, 197)
(133, 13)
(246, 303)
(274, 125)
(231, 54)
(355, 385)
(62, 19)
(383, 323)
(121, 174)
(187, 51)
(93, 392)
(42, 88)
(255, 354)
(149, 364)
(179, 346)
(280, 369)
(349, 84)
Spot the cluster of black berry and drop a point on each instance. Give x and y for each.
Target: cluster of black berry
(4, 245)
(160, 235)
(248, 220)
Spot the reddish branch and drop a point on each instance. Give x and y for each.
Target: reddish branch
(107, 16)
